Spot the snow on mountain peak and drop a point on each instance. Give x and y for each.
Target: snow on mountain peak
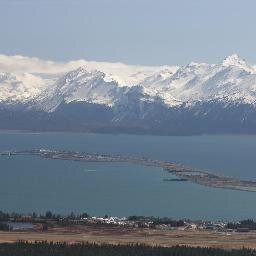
(20, 87)
(79, 85)
(236, 60)
(48, 83)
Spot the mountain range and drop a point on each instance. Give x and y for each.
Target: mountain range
(88, 96)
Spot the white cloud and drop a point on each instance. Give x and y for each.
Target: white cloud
(124, 74)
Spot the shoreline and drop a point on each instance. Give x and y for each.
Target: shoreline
(14, 131)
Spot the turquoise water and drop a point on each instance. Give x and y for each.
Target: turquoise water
(32, 184)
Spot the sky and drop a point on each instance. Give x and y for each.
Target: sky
(145, 32)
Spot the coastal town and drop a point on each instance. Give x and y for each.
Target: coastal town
(150, 231)
(16, 221)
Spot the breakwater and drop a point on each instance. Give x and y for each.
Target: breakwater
(182, 172)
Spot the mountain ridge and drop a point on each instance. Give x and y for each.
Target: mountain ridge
(162, 100)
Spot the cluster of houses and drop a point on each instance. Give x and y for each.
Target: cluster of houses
(133, 222)
(150, 223)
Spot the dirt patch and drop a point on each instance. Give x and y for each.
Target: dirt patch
(146, 236)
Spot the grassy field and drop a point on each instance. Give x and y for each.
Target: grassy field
(117, 235)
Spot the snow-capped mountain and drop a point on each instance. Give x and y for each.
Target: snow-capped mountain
(198, 97)
(20, 87)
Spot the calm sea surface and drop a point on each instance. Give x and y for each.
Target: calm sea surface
(32, 184)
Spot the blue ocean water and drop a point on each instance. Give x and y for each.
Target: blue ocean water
(30, 184)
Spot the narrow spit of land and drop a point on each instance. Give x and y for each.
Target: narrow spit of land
(182, 172)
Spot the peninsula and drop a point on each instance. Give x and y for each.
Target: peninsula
(182, 172)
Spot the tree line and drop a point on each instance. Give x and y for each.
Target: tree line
(90, 249)
(249, 223)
